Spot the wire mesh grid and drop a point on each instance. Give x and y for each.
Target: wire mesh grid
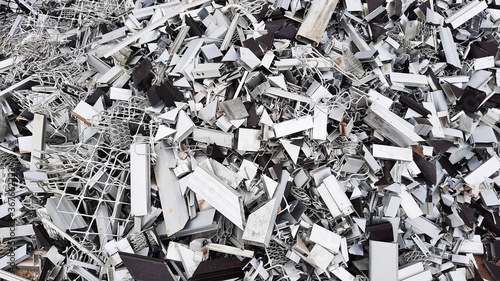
(94, 175)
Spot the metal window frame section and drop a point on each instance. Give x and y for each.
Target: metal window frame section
(111, 75)
(183, 32)
(422, 276)
(230, 33)
(466, 13)
(19, 255)
(208, 70)
(217, 193)
(22, 230)
(425, 226)
(370, 160)
(6, 93)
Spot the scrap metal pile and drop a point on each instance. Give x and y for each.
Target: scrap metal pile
(250, 140)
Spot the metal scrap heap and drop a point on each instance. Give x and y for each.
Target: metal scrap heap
(250, 140)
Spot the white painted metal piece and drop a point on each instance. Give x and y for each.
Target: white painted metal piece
(335, 198)
(230, 250)
(293, 126)
(120, 94)
(218, 194)
(466, 13)
(411, 80)
(325, 238)
(248, 139)
(213, 136)
(173, 203)
(383, 261)
(487, 169)
(260, 223)
(449, 47)
(140, 185)
(392, 153)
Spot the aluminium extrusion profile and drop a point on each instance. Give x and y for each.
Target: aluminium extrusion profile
(320, 118)
(314, 25)
(273, 91)
(449, 47)
(422, 276)
(174, 205)
(11, 276)
(326, 238)
(484, 171)
(466, 13)
(230, 33)
(208, 70)
(218, 194)
(103, 223)
(391, 126)
(437, 128)
(179, 40)
(370, 160)
(18, 255)
(173, 13)
(392, 153)
(188, 56)
(411, 80)
(38, 139)
(260, 223)
(140, 179)
(293, 126)
(213, 136)
(410, 206)
(335, 198)
(230, 250)
(120, 94)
